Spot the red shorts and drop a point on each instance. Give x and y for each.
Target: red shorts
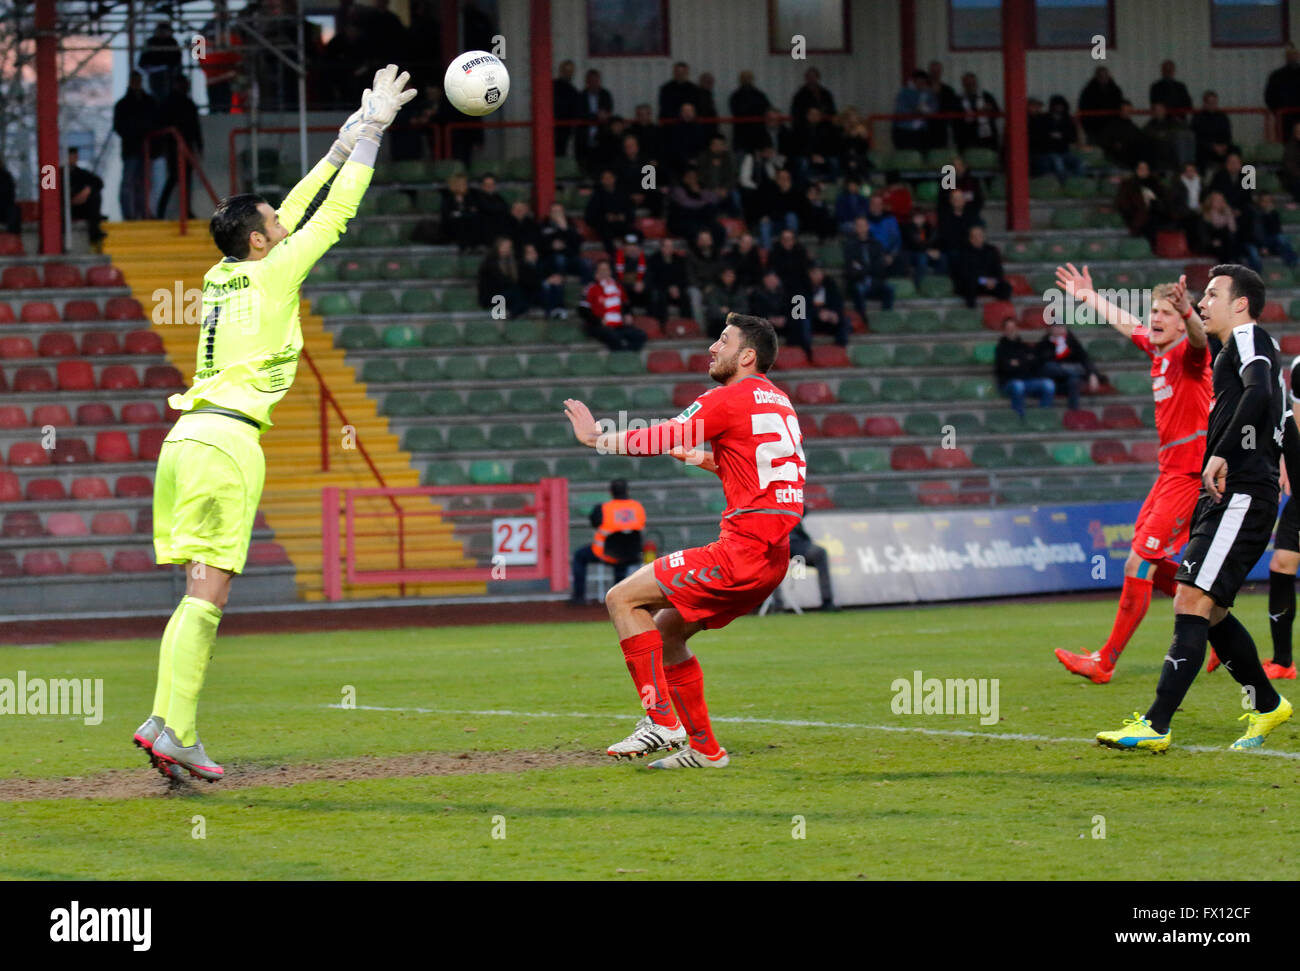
(1166, 517)
(717, 583)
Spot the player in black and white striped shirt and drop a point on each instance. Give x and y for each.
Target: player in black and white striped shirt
(1233, 519)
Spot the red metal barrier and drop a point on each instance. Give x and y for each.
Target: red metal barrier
(184, 158)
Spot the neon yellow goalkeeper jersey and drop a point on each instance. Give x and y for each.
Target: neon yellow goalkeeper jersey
(250, 336)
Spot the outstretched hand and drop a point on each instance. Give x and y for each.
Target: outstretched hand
(1075, 283)
(386, 96)
(1180, 301)
(585, 429)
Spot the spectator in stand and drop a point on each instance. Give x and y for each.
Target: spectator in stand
(818, 142)
(499, 286)
(1175, 142)
(1269, 238)
(86, 199)
(812, 95)
(1216, 230)
(1015, 368)
(915, 97)
(11, 217)
(1099, 94)
(865, 269)
(1063, 361)
(789, 260)
(1282, 92)
(561, 247)
(717, 169)
(692, 209)
(747, 101)
(1171, 93)
(134, 115)
(746, 260)
(706, 106)
(1051, 134)
(772, 301)
(668, 284)
(965, 182)
(975, 130)
(493, 210)
(567, 105)
(683, 142)
(220, 66)
(855, 151)
(757, 170)
(1143, 201)
(522, 227)
(648, 134)
(545, 290)
(460, 214)
(720, 299)
(597, 105)
(977, 269)
(1290, 174)
(1213, 131)
(608, 151)
(955, 220)
(779, 205)
(853, 201)
(610, 212)
(946, 102)
(779, 135)
(817, 216)
(604, 310)
(1185, 199)
(704, 264)
(160, 61)
(180, 112)
(1228, 180)
(826, 305)
(884, 226)
(631, 172)
(630, 272)
(921, 247)
(677, 92)
(1123, 142)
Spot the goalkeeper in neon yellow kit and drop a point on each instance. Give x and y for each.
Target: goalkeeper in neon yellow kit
(210, 469)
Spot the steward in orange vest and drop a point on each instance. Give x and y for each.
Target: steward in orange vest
(620, 514)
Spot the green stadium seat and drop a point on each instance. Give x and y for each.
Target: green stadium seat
(423, 438)
(395, 203)
(950, 355)
(546, 366)
(421, 370)
(377, 302)
(352, 271)
(444, 473)
(486, 401)
(887, 322)
(853, 495)
(488, 472)
(935, 287)
(438, 266)
(529, 470)
(456, 300)
(504, 367)
(653, 398)
(333, 305)
(984, 353)
(376, 234)
(586, 364)
(625, 364)
(427, 201)
(963, 319)
(924, 424)
(924, 322)
(1042, 420)
(963, 423)
(413, 170)
(1003, 421)
(855, 391)
(1149, 416)
(1018, 492)
(565, 332)
(1071, 453)
(1105, 349)
(402, 404)
(397, 270)
(466, 438)
(976, 389)
(825, 461)
(871, 355)
(552, 434)
(1041, 281)
(1068, 218)
(381, 371)
(891, 493)
(1022, 251)
(990, 455)
(1104, 248)
(525, 331)
(401, 336)
(419, 301)
(981, 158)
(897, 390)
(507, 438)
(324, 272)
(1129, 382)
(904, 288)
(482, 333)
(938, 389)
(607, 399)
(911, 355)
(831, 256)
(443, 169)
(1044, 187)
(444, 403)
(1029, 454)
(1079, 187)
(527, 400)
(1134, 248)
(868, 460)
(1266, 153)
(1105, 219)
(358, 337)
(927, 191)
(440, 333)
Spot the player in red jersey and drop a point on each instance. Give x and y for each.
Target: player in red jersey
(757, 451)
(1181, 385)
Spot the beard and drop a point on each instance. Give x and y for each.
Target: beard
(723, 370)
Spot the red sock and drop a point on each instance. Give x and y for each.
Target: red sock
(1133, 602)
(644, 654)
(1163, 576)
(686, 682)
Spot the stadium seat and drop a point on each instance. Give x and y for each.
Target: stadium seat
(444, 473)
(1146, 452)
(608, 399)
(118, 377)
(43, 563)
(56, 415)
(111, 523)
(87, 562)
(840, 425)
(32, 379)
(377, 302)
(423, 438)
(575, 468)
(664, 362)
(466, 438)
(1273, 313)
(652, 398)
(529, 470)
(12, 416)
(975, 491)
(62, 275)
(996, 311)
(483, 333)
(1109, 452)
(855, 391)
(624, 364)
(814, 393)
(81, 310)
(908, 458)
(163, 376)
(1071, 453)
(38, 312)
(684, 394)
(964, 422)
(90, 488)
(69, 451)
(95, 343)
(45, 490)
(830, 356)
(924, 424)
(28, 453)
(16, 348)
(854, 495)
(990, 455)
(506, 438)
(950, 458)
(1029, 454)
(57, 344)
(911, 355)
(11, 489)
(939, 390)
(113, 447)
(141, 413)
(132, 561)
(1081, 420)
(524, 331)
(881, 426)
(485, 401)
(333, 304)
(1042, 420)
(897, 390)
(133, 487)
(1033, 317)
(1120, 416)
(20, 278)
(488, 472)
(95, 413)
(950, 355)
(11, 244)
(104, 275)
(63, 524)
(935, 494)
(123, 308)
(268, 554)
(828, 461)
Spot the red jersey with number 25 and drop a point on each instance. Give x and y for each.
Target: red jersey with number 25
(1182, 385)
(758, 448)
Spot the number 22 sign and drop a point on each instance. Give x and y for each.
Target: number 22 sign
(514, 540)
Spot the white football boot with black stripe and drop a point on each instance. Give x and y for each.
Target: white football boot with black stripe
(648, 737)
(689, 758)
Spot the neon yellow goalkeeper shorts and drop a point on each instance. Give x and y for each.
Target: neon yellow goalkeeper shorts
(205, 495)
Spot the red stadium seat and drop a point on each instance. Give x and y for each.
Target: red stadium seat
(62, 275)
(950, 458)
(97, 342)
(87, 561)
(898, 200)
(652, 228)
(975, 491)
(268, 554)
(56, 415)
(111, 522)
(46, 490)
(908, 458)
(684, 394)
(113, 447)
(95, 413)
(89, 488)
(1031, 318)
(1020, 285)
(57, 343)
(38, 312)
(21, 525)
(816, 497)
(881, 426)
(16, 348)
(1171, 245)
(1290, 344)
(118, 377)
(1148, 452)
(104, 275)
(123, 308)
(9, 566)
(698, 363)
(11, 244)
(66, 524)
(163, 376)
(681, 328)
(792, 359)
(935, 494)
(133, 561)
(1120, 416)
(856, 319)
(144, 522)
(996, 311)
(1081, 420)
(142, 342)
(259, 520)
(151, 440)
(1198, 275)
(20, 278)
(7, 313)
(133, 487)
(76, 376)
(141, 413)
(78, 310)
(664, 362)
(11, 416)
(1273, 313)
(11, 489)
(42, 563)
(830, 355)
(34, 379)
(1109, 452)
(653, 329)
(28, 453)
(808, 427)
(70, 451)
(814, 393)
(840, 425)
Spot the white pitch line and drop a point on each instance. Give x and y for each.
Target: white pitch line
(797, 723)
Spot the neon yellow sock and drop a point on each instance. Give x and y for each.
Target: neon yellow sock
(196, 633)
(163, 692)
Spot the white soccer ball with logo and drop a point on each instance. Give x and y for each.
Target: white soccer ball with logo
(476, 83)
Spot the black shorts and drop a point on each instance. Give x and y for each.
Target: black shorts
(1288, 527)
(1228, 538)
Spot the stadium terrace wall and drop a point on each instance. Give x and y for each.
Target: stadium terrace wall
(883, 558)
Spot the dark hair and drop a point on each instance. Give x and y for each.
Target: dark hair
(235, 218)
(618, 488)
(1245, 283)
(758, 333)
(919, 75)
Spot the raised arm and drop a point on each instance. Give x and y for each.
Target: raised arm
(1196, 336)
(1078, 284)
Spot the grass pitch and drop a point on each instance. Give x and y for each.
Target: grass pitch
(473, 753)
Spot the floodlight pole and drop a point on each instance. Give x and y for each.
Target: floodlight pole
(539, 44)
(47, 127)
(1015, 17)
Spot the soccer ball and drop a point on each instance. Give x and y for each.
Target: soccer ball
(476, 83)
